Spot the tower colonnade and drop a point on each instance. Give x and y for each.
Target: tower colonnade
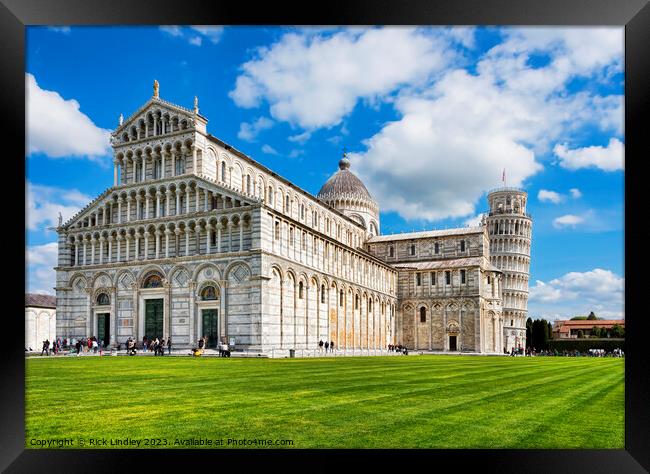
(510, 232)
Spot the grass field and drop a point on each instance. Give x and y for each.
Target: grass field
(352, 402)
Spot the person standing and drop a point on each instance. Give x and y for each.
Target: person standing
(331, 346)
(320, 346)
(327, 344)
(169, 346)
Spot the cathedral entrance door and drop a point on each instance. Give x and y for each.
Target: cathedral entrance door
(452, 343)
(210, 326)
(104, 329)
(153, 319)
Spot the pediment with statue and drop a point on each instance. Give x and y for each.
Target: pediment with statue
(157, 118)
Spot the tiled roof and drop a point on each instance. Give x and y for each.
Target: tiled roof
(40, 301)
(426, 234)
(588, 323)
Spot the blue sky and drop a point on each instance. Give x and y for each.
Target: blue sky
(430, 117)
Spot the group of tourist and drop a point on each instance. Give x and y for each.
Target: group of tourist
(55, 347)
(327, 345)
(398, 348)
(157, 345)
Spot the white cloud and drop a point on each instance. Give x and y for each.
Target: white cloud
(568, 220)
(296, 153)
(473, 221)
(550, 196)
(300, 138)
(571, 52)
(449, 147)
(578, 293)
(57, 128)
(464, 35)
(609, 158)
(195, 34)
(172, 30)
(210, 32)
(269, 150)
(575, 193)
(249, 131)
(44, 203)
(40, 261)
(314, 81)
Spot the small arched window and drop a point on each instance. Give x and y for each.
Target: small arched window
(412, 249)
(423, 314)
(301, 290)
(391, 251)
(356, 302)
(322, 293)
(209, 293)
(103, 299)
(223, 171)
(341, 298)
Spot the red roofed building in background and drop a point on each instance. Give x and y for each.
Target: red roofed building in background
(563, 329)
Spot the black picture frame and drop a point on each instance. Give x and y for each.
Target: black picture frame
(633, 14)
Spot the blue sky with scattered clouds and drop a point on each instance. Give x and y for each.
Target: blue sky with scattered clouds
(430, 117)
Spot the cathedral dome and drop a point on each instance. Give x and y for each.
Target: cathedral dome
(344, 185)
(347, 193)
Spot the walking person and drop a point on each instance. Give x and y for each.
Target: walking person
(327, 344)
(169, 346)
(44, 350)
(320, 346)
(331, 346)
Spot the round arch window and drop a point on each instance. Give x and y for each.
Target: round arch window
(103, 299)
(209, 293)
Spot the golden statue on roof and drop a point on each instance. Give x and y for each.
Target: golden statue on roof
(156, 86)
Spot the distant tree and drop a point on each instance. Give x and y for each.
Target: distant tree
(596, 332)
(581, 334)
(618, 331)
(549, 331)
(540, 334)
(591, 316)
(529, 332)
(578, 318)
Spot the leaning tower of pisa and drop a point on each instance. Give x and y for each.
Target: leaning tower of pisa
(510, 231)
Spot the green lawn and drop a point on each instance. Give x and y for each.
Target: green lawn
(352, 402)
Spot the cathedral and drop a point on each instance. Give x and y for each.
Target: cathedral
(196, 239)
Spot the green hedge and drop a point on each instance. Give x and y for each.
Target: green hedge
(583, 345)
